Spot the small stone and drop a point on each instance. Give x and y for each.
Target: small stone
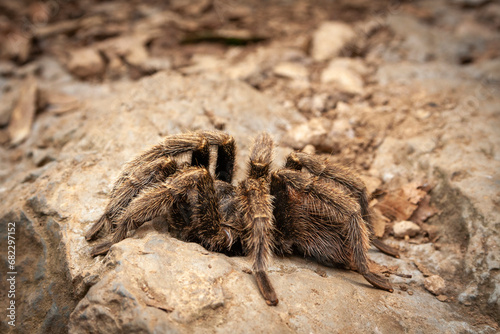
(329, 40)
(422, 114)
(405, 228)
(442, 298)
(313, 133)
(86, 63)
(435, 284)
(346, 74)
(291, 70)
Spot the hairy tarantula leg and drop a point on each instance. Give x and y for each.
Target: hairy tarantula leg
(343, 175)
(261, 155)
(128, 186)
(358, 240)
(226, 154)
(158, 200)
(385, 248)
(201, 155)
(334, 205)
(151, 203)
(338, 173)
(256, 203)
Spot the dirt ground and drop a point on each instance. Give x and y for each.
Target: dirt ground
(405, 92)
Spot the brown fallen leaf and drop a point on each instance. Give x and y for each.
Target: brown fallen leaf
(382, 269)
(432, 231)
(396, 206)
(8, 101)
(423, 269)
(401, 203)
(424, 211)
(22, 117)
(413, 192)
(372, 183)
(17, 46)
(57, 28)
(379, 222)
(57, 102)
(39, 13)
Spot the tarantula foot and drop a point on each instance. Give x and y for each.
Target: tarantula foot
(266, 288)
(96, 229)
(385, 248)
(101, 249)
(378, 282)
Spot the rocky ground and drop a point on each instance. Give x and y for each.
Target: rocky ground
(407, 93)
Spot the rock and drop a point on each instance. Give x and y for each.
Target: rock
(316, 104)
(86, 63)
(314, 132)
(347, 80)
(445, 157)
(42, 275)
(291, 70)
(442, 298)
(168, 285)
(329, 39)
(346, 73)
(405, 228)
(435, 284)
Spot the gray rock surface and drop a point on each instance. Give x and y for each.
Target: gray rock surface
(154, 283)
(448, 156)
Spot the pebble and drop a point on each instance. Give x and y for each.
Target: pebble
(329, 40)
(405, 228)
(291, 70)
(435, 284)
(346, 73)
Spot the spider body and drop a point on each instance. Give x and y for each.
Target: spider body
(311, 206)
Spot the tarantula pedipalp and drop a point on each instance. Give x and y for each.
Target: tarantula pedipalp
(310, 206)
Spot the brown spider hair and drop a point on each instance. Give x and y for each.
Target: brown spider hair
(311, 206)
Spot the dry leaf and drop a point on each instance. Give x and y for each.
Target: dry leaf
(57, 102)
(379, 222)
(431, 231)
(372, 183)
(39, 13)
(413, 192)
(395, 206)
(17, 46)
(57, 28)
(24, 112)
(423, 269)
(424, 211)
(402, 203)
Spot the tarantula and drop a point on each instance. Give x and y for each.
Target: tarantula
(311, 206)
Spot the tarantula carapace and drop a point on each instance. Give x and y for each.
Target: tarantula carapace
(311, 206)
